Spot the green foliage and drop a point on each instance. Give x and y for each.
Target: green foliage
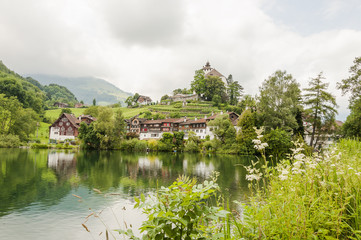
(28, 95)
(352, 84)
(352, 126)
(181, 211)
(166, 143)
(16, 120)
(105, 133)
(234, 90)
(247, 122)
(9, 141)
(57, 93)
(182, 91)
(191, 146)
(65, 110)
(224, 130)
(133, 145)
(279, 143)
(92, 111)
(153, 145)
(321, 106)
(178, 105)
(315, 197)
(279, 100)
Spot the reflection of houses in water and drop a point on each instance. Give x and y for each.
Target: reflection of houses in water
(145, 163)
(63, 163)
(203, 170)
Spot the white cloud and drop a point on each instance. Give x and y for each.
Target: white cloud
(153, 47)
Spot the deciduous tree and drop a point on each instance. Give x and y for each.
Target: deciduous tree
(279, 101)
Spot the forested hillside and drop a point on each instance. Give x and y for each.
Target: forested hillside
(31, 93)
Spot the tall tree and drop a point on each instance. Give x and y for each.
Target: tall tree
(279, 101)
(321, 105)
(214, 86)
(234, 90)
(198, 85)
(352, 84)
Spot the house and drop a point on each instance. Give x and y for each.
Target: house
(88, 119)
(209, 71)
(65, 127)
(154, 129)
(79, 105)
(183, 97)
(61, 105)
(144, 100)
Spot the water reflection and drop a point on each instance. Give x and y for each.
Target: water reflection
(48, 179)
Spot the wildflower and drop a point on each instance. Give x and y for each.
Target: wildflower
(252, 177)
(358, 173)
(299, 156)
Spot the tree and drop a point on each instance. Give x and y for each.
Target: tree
(106, 132)
(321, 105)
(247, 122)
(352, 126)
(129, 101)
(224, 129)
(234, 90)
(65, 110)
(94, 102)
(352, 84)
(16, 120)
(198, 85)
(279, 101)
(164, 97)
(247, 102)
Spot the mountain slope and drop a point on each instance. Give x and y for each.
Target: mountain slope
(87, 88)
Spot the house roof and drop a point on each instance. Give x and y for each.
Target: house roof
(72, 119)
(213, 72)
(145, 98)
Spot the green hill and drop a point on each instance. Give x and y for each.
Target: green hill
(87, 88)
(30, 92)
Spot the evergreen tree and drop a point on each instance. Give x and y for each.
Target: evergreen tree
(321, 105)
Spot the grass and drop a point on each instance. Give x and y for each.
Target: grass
(315, 197)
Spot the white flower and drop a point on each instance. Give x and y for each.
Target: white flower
(252, 177)
(299, 156)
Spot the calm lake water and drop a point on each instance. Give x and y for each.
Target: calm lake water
(37, 188)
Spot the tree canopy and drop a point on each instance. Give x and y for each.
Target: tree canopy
(279, 100)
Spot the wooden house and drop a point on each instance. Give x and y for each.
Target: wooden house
(65, 127)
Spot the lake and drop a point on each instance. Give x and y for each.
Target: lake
(48, 194)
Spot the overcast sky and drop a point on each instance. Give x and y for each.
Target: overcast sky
(154, 46)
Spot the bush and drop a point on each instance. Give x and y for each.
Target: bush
(9, 141)
(182, 211)
(153, 145)
(191, 146)
(140, 146)
(39, 146)
(178, 105)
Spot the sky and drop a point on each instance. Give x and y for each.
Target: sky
(154, 46)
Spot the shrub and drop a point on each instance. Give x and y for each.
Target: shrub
(153, 145)
(9, 141)
(39, 146)
(191, 146)
(182, 211)
(140, 146)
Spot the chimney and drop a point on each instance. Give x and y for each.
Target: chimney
(195, 119)
(222, 112)
(185, 118)
(212, 113)
(205, 116)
